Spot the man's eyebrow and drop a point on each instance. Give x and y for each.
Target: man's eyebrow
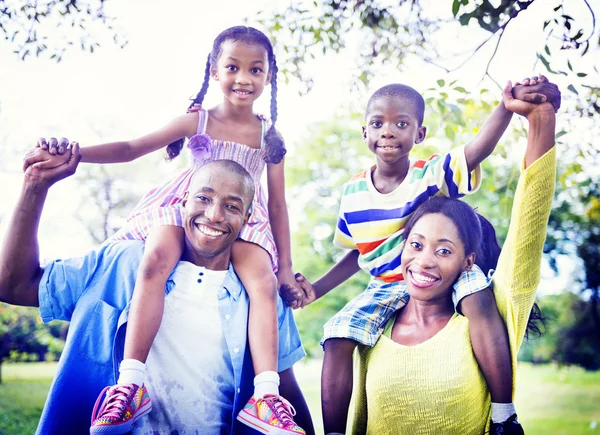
(236, 198)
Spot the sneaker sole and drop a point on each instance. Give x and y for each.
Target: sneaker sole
(261, 426)
(122, 428)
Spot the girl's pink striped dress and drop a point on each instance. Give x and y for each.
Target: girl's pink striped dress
(162, 205)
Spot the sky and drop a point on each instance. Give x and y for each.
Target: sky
(116, 94)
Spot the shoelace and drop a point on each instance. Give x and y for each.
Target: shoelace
(120, 396)
(284, 409)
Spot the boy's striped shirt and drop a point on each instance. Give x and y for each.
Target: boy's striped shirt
(373, 222)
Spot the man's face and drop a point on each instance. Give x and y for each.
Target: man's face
(215, 211)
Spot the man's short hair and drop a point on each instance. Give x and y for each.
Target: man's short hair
(236, 168)
(397, 90)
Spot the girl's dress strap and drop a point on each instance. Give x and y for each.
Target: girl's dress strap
(263, 131)
(202, 121)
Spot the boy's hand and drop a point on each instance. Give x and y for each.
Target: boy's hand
(53, 146)
(524, 108)
(308, 291)
(537, 90)
(289, 289)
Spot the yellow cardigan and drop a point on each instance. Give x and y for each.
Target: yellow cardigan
(436, 387)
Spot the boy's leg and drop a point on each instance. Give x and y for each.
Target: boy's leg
(489, 339)
(336, 383)
(253, 265)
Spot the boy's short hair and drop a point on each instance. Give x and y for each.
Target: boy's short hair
(397, 90)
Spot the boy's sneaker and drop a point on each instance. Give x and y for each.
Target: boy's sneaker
(271, 415)
(509, 427)
(121, 407)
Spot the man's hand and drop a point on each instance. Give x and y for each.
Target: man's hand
(49, 171)
(537, 90)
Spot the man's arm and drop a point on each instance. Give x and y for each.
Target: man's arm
(289, 388)
(20, 270)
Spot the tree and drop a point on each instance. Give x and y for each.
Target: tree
(31, 26)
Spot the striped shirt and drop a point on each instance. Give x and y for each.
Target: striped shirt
(373, 222)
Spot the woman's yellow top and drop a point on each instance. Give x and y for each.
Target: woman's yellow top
(436, 387)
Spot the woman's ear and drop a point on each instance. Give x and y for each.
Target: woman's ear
(469, 261)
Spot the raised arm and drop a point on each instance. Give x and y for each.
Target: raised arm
(123, 151)
(518, 272)
(20, 270)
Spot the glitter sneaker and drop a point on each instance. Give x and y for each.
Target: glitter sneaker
(121, 407)
(271, 415)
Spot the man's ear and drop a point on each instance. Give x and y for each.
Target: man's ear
(248, 213)
(469, 261)
(421, 133)
(364, 132)
(185, 198)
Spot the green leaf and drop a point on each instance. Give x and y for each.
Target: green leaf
(441, 83)
(572, 89)
(449, 132)
(461, 89)
(547, 50)
(455, 7)
(569, 65)
(581, 74)
(560, 134)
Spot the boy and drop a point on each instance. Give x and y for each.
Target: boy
(374, 208)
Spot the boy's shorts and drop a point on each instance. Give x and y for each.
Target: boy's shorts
(364, 317)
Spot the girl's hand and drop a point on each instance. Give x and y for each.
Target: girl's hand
(53, 146)
(537, 90)
(524, 108)
(40, 158)
(289, 290)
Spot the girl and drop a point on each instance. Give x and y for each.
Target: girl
(242, 62)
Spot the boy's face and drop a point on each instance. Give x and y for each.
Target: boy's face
(392, 129)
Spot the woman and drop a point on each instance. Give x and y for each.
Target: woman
(422, 377)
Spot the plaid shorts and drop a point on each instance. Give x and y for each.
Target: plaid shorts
(364, 317)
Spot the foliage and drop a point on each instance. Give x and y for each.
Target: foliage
(51, 27)
(23, 336)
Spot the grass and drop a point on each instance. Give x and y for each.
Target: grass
(550, 400)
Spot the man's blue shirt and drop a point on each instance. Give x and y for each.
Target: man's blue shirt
(93, 293)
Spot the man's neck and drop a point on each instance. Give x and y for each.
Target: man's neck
(218, 262)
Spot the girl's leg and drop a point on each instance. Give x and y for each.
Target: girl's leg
(336, 383)
(253, 265)
(162, 252)
(489, 339)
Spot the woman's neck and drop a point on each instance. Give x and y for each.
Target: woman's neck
(418, 321)
(241, 114)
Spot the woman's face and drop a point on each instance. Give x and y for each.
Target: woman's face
(433, 258)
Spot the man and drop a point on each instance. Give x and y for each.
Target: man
(202, 364)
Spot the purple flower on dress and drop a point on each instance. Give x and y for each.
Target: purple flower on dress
(201, 147)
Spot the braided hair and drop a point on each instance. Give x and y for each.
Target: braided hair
(274, 145)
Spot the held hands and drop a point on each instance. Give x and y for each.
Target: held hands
(289, 290)
(47, 154)
(543, 103)
(299, 296)
(62, 166)
(537, 90)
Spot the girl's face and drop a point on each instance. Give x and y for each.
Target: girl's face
(242, 71)
(433, 258)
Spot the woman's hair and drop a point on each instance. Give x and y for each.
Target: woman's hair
(477, 235)
(274, 145)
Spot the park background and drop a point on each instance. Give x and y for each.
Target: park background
(98, 71)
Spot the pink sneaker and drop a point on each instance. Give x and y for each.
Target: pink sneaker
(121, 407)
(271, 415)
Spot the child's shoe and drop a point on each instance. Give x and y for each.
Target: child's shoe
(509, 427)
(121, 407)
(271, 415)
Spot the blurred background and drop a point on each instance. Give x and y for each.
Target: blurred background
(98, 71)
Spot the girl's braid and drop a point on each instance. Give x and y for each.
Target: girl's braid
(275, 147)
(174, 148)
